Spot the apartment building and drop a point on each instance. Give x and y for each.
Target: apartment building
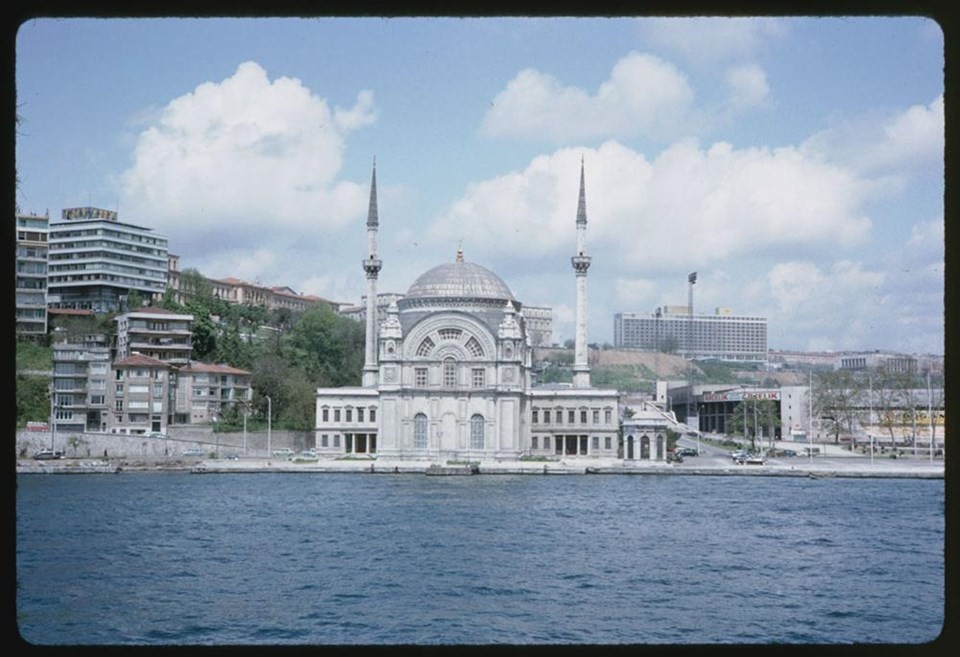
(31, 275)
(206, 391)
(161, 334)
(95, 261)
(81, 371)
(139, 394)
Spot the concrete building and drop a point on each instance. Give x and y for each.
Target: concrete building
(95, 261)
(81, 376)
(237, 291)
(539, 321)
(139, 396)
(863, 361)
(30, 286)
(206, 391)
(157, 333)
(721, 336)
(447, 374)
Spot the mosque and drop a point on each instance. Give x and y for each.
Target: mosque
(447, 375)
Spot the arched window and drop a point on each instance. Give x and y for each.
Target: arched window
(449, 373)
(476, 432)
(420, 431)
(425, 347)
(474, 348)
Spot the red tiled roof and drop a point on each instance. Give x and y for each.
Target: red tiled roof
(69, 311)
(139, 360)
(196, 366)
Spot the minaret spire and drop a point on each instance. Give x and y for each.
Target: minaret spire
(581, 263)
(371, 265)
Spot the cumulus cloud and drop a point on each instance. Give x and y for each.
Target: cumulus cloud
(713, 40)
(748, 86)
(904, 143)
(706, 204)
(644, 95)
(223, 162)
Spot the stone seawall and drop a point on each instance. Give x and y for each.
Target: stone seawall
(174, 443)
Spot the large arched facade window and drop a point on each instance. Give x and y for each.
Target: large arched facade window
(449, 373)
(420, 431)
(476, 432)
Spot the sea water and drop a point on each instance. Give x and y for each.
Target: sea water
(281, 558)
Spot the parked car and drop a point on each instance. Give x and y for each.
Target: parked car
(284, 452)
(687, 451)
(307, 455)
(157, 434)
(194, 452)
(48, 454)
(674, 457)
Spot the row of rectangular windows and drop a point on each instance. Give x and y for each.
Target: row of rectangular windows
(347, 414)
(558, 443)
(571, 416)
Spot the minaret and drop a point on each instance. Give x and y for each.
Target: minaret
(581, 263)
(371, 265)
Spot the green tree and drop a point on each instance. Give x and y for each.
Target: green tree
(839, 396)
(33, 398)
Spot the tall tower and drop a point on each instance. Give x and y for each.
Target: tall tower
(371, 265)
(581, 263)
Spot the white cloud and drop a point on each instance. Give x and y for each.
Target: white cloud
(748, 86)
(643, 96)
(713, 40)
(688, 205)
(232, 157)
(904, 143)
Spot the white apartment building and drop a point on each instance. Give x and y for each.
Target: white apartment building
(157, 333)
(31, 275)
(95, 261)
(81, 373)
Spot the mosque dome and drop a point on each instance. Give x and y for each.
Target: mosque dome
(461, 280)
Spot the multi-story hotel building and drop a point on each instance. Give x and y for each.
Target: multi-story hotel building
(31, 275)
(721, 336)
(95, 261)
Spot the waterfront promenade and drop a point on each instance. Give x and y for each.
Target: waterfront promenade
(822, 466)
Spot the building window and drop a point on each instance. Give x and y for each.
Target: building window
(546, 416)
(606, 416)
(546, 442)
(596, 443)
(119, 405)
(323, 440)
(158, 390)
(571, 416)
(425, 347)
(533, 441)
(119, 388)
(336, 415)
(476, 432)
(535, 418)
(583, 417)
(420, 377)
(474, 348)
(606, 442)
(420, 431)
(359, 415)
(373, 415)
(558, 444)
(326, 414)
(336, 440)
(449, 333)
(479, 377)
(449, 373)
(349, 415)
(596, 416)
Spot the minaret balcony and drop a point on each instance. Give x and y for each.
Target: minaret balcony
(372, 266)
(581, 264)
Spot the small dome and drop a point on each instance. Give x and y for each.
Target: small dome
(460, 279)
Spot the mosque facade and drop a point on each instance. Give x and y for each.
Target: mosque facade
(448, 374)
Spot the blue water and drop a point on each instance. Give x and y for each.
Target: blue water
(271, 558)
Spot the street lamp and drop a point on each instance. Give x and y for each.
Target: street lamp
(216, 433)
(269, 420)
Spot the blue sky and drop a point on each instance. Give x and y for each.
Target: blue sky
(796, 164)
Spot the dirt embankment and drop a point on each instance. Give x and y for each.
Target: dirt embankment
(668, 365)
